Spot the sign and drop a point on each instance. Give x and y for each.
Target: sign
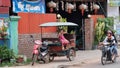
(114, 3)
(34, 6)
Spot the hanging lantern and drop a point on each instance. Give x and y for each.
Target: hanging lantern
(83, 7)
(69, 7)
(96, 8)
(51, 5)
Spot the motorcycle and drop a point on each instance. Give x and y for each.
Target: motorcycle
(40, 52)
(107, 55)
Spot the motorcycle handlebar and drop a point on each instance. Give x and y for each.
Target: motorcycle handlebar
(107, 43)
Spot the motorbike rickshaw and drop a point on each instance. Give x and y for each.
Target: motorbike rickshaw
(55, 46)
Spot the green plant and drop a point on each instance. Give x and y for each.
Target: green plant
(6, 64)
(3, 32)
(103, 24)
(7, 20)
(19, 58)
(63, 27)
(4, 28)
(6, 53)
(99, 30)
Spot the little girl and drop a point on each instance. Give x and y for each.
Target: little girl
(63, 40)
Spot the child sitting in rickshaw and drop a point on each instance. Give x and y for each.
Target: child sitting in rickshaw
(62, 39)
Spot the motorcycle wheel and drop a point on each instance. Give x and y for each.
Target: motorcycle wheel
(104, 59)
(71, 54)
(34, 58)
(51, 58)
(46, 58)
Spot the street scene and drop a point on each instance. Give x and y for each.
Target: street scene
(59, 33)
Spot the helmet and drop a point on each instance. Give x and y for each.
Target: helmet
(109, 31)
(38, 42)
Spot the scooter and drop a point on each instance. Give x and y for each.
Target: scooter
(107, 55)
(40, 52)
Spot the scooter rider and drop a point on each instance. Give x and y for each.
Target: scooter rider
(110, 38)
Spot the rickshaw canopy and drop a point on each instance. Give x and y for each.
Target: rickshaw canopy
(58, 24)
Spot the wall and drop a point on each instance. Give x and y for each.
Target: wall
(95, 17)
(29, 25)
(4, 8)
(5, 3)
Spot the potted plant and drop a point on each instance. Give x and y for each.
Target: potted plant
(19, 59)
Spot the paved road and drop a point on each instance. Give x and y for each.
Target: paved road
(96, 63)
(84, 59)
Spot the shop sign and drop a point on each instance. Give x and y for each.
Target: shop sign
(34, 6)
